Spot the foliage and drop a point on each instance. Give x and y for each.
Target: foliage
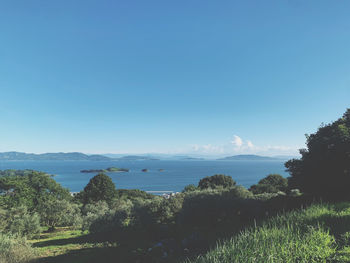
(295, 192)
(149, 218)
(210, 207)
(133, 194)
(30, 188)
(15, 250)
(91, 212)
(298, 236)
(190, 188)
(272, 183)
(20, 222)
(99, 188)
(324, 168)
(217, 180)
(60, 213)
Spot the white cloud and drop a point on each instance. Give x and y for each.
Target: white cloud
(237, 141)
(241, 146)
(250, 145)
(208, 149)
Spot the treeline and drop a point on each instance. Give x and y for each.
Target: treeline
(163, 229)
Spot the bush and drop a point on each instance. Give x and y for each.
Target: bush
(110, 222)
(272, 183)
(15, 250)
(210, 207)
(148, 219)
(20, 222)
(217, 180)
(92, 212)
(190, 188)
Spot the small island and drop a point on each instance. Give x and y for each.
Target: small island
(108, 170)
(144, 170)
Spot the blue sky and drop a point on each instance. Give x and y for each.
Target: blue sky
(200, 77)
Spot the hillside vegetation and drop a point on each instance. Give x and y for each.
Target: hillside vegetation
(277, 220)
(320, 233)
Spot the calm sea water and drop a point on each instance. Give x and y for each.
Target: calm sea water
(175, 176)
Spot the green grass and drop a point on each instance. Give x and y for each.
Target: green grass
(317, 234)
(67, 245)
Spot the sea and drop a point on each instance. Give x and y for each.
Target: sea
(162, 175)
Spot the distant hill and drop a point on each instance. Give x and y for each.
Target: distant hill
(248, 157)
(72, 156)
(137, 158)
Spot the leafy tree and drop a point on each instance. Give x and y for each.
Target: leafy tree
(217, 180)
(30, 188)
(60, 213)
(19, 221)
(272, 183)
(99, 188)
(324, 167)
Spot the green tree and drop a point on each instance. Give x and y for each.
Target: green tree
(60, 213)
(324, 167)
(30, 188)
(18, 220)
(272, 183)
(217, 180)
(99, 188)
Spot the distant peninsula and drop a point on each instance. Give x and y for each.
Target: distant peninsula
(248, 157)
(71, 156)
(108, 170)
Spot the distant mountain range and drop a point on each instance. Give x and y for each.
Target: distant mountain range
(248, 157)
(136, 158)
(77, 156)
(73, 156)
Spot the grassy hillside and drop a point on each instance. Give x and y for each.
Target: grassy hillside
(320, 233)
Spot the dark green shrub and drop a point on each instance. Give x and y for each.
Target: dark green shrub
(211, 207)
(217, 180)
(272, 183)
(190, 188)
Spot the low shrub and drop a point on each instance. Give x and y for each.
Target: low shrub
(15, 250)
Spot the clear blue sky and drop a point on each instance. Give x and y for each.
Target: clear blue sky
(191, 76)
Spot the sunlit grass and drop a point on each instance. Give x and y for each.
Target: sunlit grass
(63, 241)
(316, 234)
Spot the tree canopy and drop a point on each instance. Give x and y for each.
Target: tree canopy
(270, 184)
(30, 188)
(99, 188)
(217, 180)
(324, 167)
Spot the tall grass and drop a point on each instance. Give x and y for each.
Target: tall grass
(15, 250)
(313, 235)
